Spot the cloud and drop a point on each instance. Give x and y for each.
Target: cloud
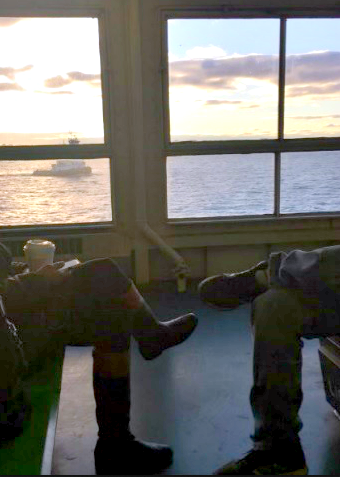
(222, 102)
(307, 118)
(250, 106)
(57, 82)
(10, 72)
(315, 73)
(8, 21)
(314, 67)
(216, 102)
(222, 73)
(10, 87)
(72, 77)
(55, 92)
(311, 90)
(79, 76)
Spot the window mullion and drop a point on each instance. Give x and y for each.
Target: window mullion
(277, 183)
(282, 73)
(164, 69)
(281, 106)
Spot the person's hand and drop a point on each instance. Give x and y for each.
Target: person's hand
(18, 267)
(51, 272)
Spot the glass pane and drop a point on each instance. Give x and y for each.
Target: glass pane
(310, 182)
(50, 81)
(50, 192)
(312, 78)
(220, 186)
(223, 78)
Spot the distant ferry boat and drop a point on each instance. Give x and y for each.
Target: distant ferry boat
(73, 139)
(65, 167)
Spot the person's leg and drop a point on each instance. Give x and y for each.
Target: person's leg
(280, 318)
(100, 284)
(276, 396)
(108, 310)
(152, 335)
(229, 290)
(117, 451)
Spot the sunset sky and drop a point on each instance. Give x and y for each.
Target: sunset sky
(223, 79)
(49, 80)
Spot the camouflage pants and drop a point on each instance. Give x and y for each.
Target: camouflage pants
(85, 310)
(280, 319)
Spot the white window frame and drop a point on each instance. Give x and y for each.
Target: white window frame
(274, 146)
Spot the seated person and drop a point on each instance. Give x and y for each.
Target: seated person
(292, 295)
(92, 303)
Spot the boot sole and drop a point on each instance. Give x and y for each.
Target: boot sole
(303, 471)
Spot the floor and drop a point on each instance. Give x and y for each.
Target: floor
(193, 397)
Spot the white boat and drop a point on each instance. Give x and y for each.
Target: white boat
(65, 167)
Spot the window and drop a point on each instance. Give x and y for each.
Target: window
(223, 188)
(54, 161)
(252, 123)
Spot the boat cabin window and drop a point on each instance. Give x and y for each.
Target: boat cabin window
(251, 121)
(52, 169)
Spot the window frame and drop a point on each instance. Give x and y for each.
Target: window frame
(105, 150)
(275, 146)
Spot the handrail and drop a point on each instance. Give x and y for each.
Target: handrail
(181, 270)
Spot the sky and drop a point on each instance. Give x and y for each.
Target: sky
(223, 76)
(50, 82)
(223, 79)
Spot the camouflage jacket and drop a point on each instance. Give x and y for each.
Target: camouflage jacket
(14, 402)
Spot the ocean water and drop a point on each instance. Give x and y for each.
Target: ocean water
(241, 185)
(26, 199)
(200, 186)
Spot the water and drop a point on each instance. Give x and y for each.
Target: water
(200, 186)
(30, 200)
(241, 185)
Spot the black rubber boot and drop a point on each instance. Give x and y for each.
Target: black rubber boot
(286, 458)
(155, 336)
(229, 290)
(117, 452)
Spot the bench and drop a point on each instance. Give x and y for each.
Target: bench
(31, 453)
(329, 353)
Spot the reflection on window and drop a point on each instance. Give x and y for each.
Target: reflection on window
(310, 182)
(50, 81)
(223, 78)
(312, 78)
(55, 192)
(220, 186)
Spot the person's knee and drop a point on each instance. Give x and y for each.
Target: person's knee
(99, 267)
(278, 309)
(100, 277)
